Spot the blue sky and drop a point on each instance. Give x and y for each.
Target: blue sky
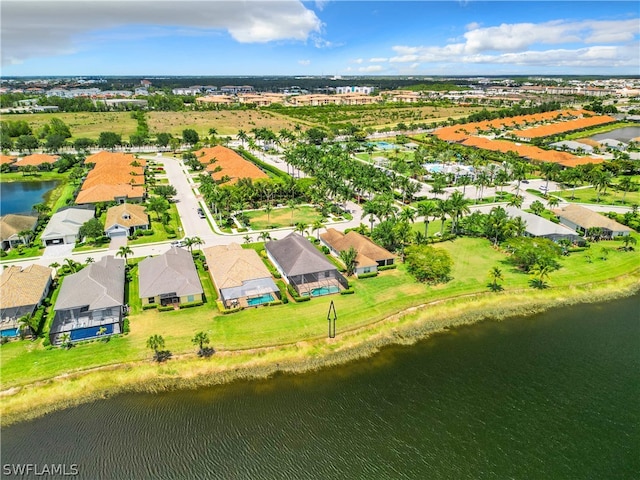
(265, 37)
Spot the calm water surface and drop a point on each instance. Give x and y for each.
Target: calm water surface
(554, 396)
(621, 134)
(20, 197)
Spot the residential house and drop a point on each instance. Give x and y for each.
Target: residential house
(303, 267)
(225, 164)
(35, 159)
(10, 227)
(240, 276)
(90, 302)
(115, 177)
(370, 256)
(64, 225)
(582, 219)
(122, 220)
(23, 290)
(169, 279)
(540, 227)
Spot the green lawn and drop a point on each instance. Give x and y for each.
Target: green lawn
(159, 232)
(590, 195)
(375, 299)
(282, 217)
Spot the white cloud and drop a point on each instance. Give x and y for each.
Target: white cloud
(371, 69)
(357, 60)
(378, 59)
(304, 62)
(524, 44)
(44, 28)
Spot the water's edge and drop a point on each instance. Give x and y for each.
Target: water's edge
(404, 328)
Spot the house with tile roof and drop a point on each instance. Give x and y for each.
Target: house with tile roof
(169, 279)
(122, 220)
(90, 302)
(11, 225)
(304, 267)
(23, 290)
(240, 276)
(223, 163)
(115, 177)
(582, 219)
(64, 225)
(540, 227)
(370, 256)
(35, 159)
(7, 159)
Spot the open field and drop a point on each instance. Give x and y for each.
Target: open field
(229, 122)
(590, 195)
(282, 216)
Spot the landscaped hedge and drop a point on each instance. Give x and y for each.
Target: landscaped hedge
(283, 291)
(165, 309)
(126, 328)
(191, 304)
(149, 306)
(348, 291)
(271, 268)
(368, 275)
(275, 302)
(387, 267)
(296, 298)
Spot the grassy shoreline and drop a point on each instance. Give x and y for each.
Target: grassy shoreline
(403, 328)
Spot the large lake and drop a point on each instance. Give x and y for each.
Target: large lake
(553, 396)
(20, 197)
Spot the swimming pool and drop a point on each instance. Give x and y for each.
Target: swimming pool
(266, 298)
(11, 332)
(433, 167)
(319, 291)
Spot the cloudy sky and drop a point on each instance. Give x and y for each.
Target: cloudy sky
(323, 37)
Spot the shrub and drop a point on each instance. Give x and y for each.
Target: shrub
(428, 264)
(46, 342)
(387, 267)
(348, 291)
(165, 308)
(147, 233)
(368, 275)
(125, 326)
(149, 306)
(283, 291)
(275, 302)
(325, 250)
(191, 304)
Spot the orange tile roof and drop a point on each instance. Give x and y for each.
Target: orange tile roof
(231, 164)
(107, 193)
(7, 159)
(36, 159)
(114, 158)
(564, 126)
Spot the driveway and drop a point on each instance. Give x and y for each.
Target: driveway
(58, 251)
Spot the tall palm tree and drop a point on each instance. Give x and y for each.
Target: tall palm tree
(348, 257)
(316, 226)
(427, 209)
(155, 343)
(407, 214)
(301, 228)
(458, 206)
(293, 205)
(190, 242)
(264, 236)
(553, 201)
(28, 324)
(442, 211)
(124, 251)
(201, 339)
(626, 184)
(268, 209)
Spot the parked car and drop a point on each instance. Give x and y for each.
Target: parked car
(177, 243)
(201, 213)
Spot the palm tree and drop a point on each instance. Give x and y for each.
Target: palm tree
(553, 201)
(101, 331)
(442, 210)
(264, 236)
(316, 226)
(537, 207)
(25, 235)
(519, 226)
(124, 251)
(348, 257)
(626, 184)
(28, 324)
(293, 205)
(407, 214)
(539, 274)
(370, 208)
(495, 275)
(65, 341)
(191, 241)
(268, 209)
(55, 266)
(155, 342)
(426, 209)
(247, 239)
(516, 201)
(629, 241)
(458, 206)
(89, 260)
(301, 228)
(201, 339)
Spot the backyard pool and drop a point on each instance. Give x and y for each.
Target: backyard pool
(254, 301)
(12, 332)
(318, 292)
